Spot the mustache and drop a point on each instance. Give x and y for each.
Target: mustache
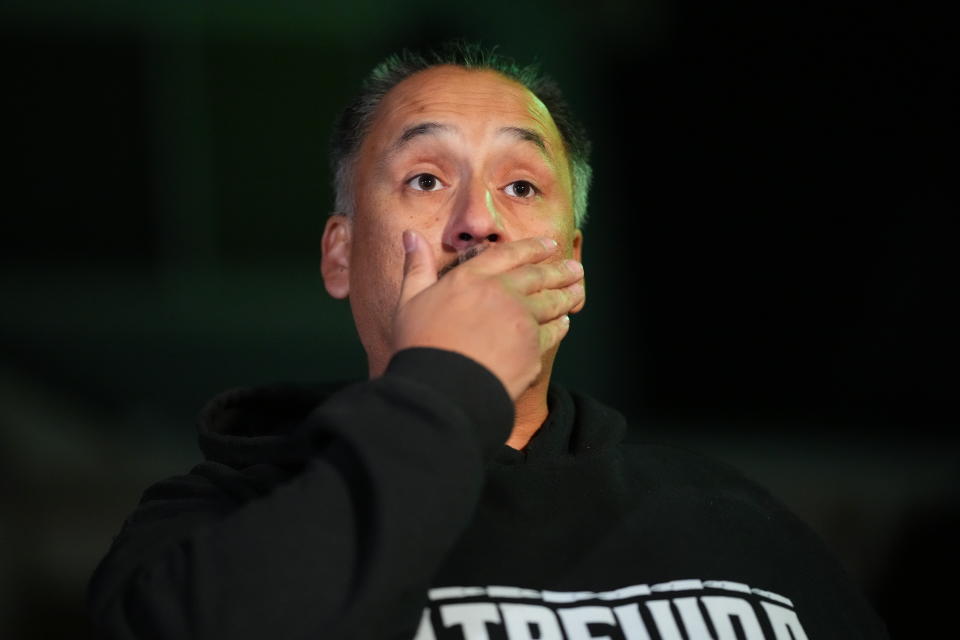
(462, 257)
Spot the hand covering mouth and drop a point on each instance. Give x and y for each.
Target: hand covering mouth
(462, 257)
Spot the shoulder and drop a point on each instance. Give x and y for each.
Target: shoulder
(696, 486)
(710, 519)
(660, 464)
(699, 503)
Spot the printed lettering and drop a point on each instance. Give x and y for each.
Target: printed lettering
(473, 618)
(675, 610)
(691, 617)
(784, 622)
(722, 609)
(663, 619)
(628, 615)
(576, 619)
(425, 630)
(530, 622)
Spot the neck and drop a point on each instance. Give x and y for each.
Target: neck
(530, 409)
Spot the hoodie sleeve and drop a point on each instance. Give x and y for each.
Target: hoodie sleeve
(345, 546)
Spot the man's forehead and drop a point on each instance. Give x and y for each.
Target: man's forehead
(423, 130)
(463, 97)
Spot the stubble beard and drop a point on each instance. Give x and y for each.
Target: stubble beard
(462, 257)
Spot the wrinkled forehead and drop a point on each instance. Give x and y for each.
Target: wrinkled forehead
(477, 101)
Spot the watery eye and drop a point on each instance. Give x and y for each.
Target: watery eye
(520, 189)
(425, 182)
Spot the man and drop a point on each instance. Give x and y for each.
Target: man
(457, 493)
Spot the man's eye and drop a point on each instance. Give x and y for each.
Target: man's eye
(520, 189)
(425, 182)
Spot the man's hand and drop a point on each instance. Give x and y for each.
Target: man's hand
(504, 308)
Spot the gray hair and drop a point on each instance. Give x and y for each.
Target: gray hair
(355, 121)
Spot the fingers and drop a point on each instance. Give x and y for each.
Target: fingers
(419, 266)
(509, 255)
(550, 304)
(531, 278)
(577, 308)
(551, 333)
(523, 262)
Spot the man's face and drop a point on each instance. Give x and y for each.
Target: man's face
(466, 158)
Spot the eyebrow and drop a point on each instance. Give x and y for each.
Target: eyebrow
(527, 135)
(434, 128)
(420, 129)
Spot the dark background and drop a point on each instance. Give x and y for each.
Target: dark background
(770, 271)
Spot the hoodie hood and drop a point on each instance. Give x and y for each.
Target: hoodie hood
(254, 425)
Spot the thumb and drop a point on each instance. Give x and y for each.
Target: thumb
(419, 268)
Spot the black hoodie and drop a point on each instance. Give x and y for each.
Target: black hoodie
(392, 509)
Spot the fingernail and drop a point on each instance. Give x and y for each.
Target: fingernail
(574, 266)
(549, 243)
(576, 288)
(409, 241)
(565, 320)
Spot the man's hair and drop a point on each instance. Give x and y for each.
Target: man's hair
(355, 121)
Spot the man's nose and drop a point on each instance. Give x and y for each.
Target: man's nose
(474, 220)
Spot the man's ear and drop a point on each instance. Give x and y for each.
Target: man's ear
(578, 256)
(335, 257)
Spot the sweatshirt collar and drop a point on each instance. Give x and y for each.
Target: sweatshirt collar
(576, 426)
